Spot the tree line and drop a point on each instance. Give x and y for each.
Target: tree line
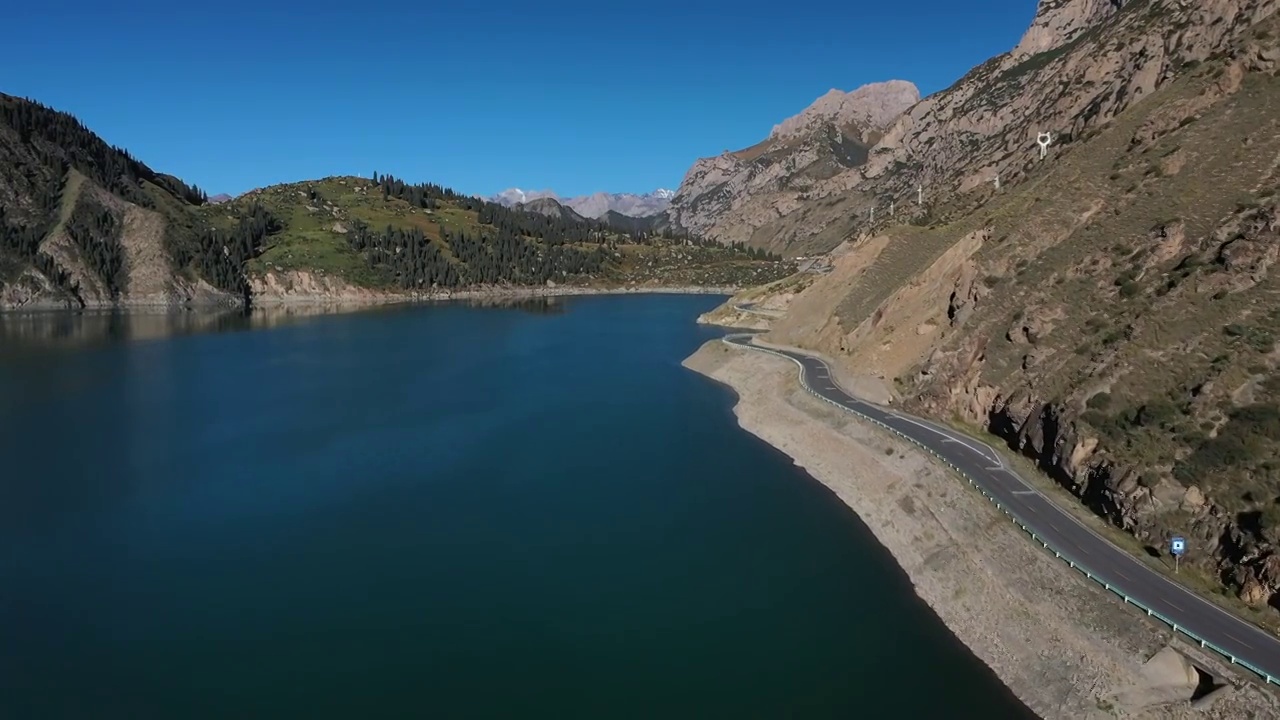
(414, 261)
(59, 137)
(95, 231)
(549, 229)
(220, 255)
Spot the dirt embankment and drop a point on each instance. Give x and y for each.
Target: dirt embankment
(304, 288)
(1066, 649)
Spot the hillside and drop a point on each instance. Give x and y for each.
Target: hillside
(83, 224)
(1108, 311)
(740, 196)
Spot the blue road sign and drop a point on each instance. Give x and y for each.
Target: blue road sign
(1177, 546)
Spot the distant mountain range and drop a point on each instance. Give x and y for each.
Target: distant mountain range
(596, 205)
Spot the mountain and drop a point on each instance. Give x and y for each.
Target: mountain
(595, 205)
(598, 204)
(550, 208)
(735, 197)
(1110, 309)
(515, 196)
(219, 198)
(84, 224)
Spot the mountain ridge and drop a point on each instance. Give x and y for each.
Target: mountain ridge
(1109, 309)
(595, 205)
(84, 224)
(730, 196)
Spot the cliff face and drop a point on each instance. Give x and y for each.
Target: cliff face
(730, 196)
(1110, 309)
(1082, 63)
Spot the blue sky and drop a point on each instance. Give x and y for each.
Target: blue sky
(568, 95)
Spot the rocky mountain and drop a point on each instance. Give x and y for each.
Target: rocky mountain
(219, 198)
(84, 224)
(735, 197)
(595, 205)
(1107, 309)
(550, 207)
(515, 196)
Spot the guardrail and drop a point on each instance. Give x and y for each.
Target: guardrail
(1022, 524)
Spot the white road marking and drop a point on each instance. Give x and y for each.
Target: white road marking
(1233, 637)
(948, 436)
(1018, 492)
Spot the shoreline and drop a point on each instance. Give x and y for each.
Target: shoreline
(374, 299)
(492, 293)
(1064, 649)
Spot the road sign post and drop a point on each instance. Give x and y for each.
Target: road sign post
(1177, 546)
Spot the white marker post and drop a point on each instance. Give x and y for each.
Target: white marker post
(1044, 139)
(891, 212)
(997, 181)
(919, 194)
(1177, 546)
(873, 215)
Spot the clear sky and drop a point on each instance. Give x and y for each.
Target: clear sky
(569, 95)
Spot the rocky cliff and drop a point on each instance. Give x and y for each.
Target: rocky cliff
(735, 196)
(1081, 63)
(1109, 309)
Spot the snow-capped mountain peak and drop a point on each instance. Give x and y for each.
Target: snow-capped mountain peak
(595, 205)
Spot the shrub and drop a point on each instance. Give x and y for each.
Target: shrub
(1099, 401)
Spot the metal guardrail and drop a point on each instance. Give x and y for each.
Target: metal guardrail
(1023, 525)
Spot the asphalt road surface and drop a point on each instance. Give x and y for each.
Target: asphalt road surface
(1063, 533)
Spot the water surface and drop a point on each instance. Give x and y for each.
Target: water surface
(436, 512)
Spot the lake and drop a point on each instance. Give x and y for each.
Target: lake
(440, 511)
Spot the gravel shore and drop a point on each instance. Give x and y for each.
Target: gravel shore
(1066, 649)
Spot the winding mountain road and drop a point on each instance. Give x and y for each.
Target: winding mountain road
(1057, 529)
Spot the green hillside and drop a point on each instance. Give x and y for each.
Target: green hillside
(84, 224)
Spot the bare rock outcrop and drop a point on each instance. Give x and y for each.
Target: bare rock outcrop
(1058, 22)
(871, 106)
(728, 196)
(1082, 63)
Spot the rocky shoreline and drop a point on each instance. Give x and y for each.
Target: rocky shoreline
(1063, 648)
(488, 293)
(355, 298)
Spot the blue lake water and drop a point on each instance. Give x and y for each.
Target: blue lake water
(437, 512)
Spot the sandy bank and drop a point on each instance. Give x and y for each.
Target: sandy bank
(1067, 650)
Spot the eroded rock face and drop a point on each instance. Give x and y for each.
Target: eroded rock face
(871, 106)
(808, 188)
(726, 197)
(1058, 22)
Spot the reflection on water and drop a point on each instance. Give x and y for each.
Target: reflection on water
(62, 328)
(534, 305)
(77, 329)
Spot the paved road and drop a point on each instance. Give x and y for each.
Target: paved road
(1062, 532)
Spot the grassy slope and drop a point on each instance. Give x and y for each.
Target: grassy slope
(313, 241)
